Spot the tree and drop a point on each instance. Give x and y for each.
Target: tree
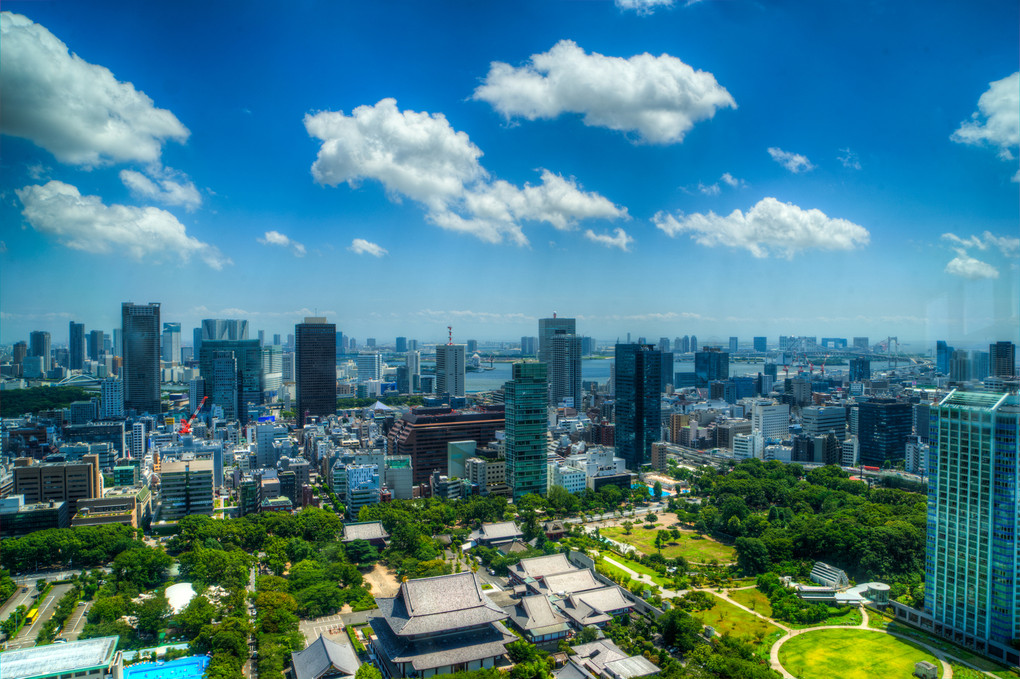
(198, 613)
(361, 552)
(587, 635)
(657, 491)
(151, 613)
(679, 629)
(628, 526)
(367, 671)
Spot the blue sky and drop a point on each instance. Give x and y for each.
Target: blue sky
(717, 168)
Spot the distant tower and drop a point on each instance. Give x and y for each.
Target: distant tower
(39, 345)
(1002, 359)
(76, 346)
(451, 367)
(140, 372)
(172, 343)
(315, 367)
(564, 369)
(547, 327)
(526, 398)
(94, 344)
(637, 378)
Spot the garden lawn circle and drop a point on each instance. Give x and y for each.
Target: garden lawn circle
(851, 654)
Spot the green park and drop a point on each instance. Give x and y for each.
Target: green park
(851, 654)
(689, 545)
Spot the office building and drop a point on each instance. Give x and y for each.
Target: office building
(761, 344)
(820, 420)
(76, 346)
(733, 345)
(710, 365)
(451, 367)
(112, 399)
(547, 327)
(140, 372)
(883, 426)
(667, 376)
(423, 434)
(413, 363)
(860, 369)
(638, 379)
(529, 346)
(58, 481)
(943, 353)
(527, 424)
(39, 346)
(94, 345)
(224, 329)
(18, 519)
(564, 370)
(972, 565)
(370, 367)
(186, 488)
(315, 368)
(980, 365)
(771, 419)
(172, 342)
(401, 345)
(1002, 359)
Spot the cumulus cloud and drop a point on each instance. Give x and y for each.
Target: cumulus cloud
(282, 240)
(966, 266)
(794, 162)
(732, 181)
(849, 159)
(997, 120)
(360, 246)
(643, 7)
(1007, 245)
(84, 223)
(770, 227)
(420, 156)
(77, 111)
(709, 189)
(169, 187)
(619, 239)
(659, 98)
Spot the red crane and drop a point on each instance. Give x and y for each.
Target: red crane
(186, 424)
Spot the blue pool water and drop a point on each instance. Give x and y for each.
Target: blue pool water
(182, 668)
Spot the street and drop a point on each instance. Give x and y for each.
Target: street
(26, 637)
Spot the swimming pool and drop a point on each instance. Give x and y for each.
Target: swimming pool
(183, 668)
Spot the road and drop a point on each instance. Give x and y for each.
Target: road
(26, 637)
(23, 597)
(76, 623)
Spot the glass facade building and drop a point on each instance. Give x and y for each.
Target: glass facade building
(972, 558)
(638, 380)
(140, 372)
(526, 397)
(315, 368)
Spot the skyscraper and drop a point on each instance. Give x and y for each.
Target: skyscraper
(943, 353)
(370, 366)
(637, 376)
(451, 366)
(39, 345)
(112, 392)
(734, 343)
(315, 367)
(547, 327)
(1002, 359)
(564, 369)
(172, 342)
(761, 344)
(883, 427)
(76, 346)
(140, 372)
(413, 363)
(860, 369)
(232, 370)
(224, 329)
(527, 422)
(711, 365)
(94, 345)
(972, 586)
(401, 345)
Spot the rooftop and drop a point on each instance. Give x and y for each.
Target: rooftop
(365, 530)
(542, 566)
(322, 655)
(442, 603)
(45, 661)
(506, 530)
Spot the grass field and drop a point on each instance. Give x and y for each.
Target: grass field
(844, 617)
(727, 618)
(634, 566)
(851, 654)
(753, 599)
(951, 649)
(690, 546)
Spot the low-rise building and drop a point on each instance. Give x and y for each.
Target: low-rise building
(88, 659)
(127, 505)
(18, 518)
(371, 532)
(325, 659)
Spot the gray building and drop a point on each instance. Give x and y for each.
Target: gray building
(140, 372)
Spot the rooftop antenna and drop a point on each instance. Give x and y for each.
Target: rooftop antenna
(449, 329)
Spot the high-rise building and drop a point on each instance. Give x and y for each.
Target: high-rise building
(527, 424)
(668, 376)
(860, 369)
(733, 345)
(771, 419)
(172, 342)
(315, 367)
(547, 327)
(472, 346)
(232, 370)
(401, 345)
(862, 343)
(529, 346)
(370, 366)
(564, 369)
(413, 363)
(112, 397)
(224, 329)
(943, 354)
(451, 366)
(979, 365)
(711, 365)
(76, 346)
(39, 345)
(94, 344)
(140, 373)
(761, 344)
(883, 427)
(972, 564)
(186, 488)
(18, 352)
(1002, 359)
(820, 420)
(959, 366)
(694, 343)
(638, 380)
(664, 344)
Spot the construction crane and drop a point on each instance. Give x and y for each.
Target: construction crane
(449, 329)
(186, 424)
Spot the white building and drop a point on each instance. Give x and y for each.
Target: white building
(112, 393)
(917, 456)
(370, 367)
(571, 478)
(780, 453)
(137, 444)
(451, 367)
(749, 445)
(851, 451)
(771, 419)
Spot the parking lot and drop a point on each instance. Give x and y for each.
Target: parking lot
(330, 626)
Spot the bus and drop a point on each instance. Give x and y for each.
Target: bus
(31, 617)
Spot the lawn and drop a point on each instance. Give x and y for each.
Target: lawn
(691, 545)
(753, 599)
(851, 654)
(634, 566)
(951, 649)
(727, 618)
(845, 617)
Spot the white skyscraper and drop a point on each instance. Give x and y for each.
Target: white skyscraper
(112, 397)
(137, 444)
(771, 419)
(369, 367)
(451, 365)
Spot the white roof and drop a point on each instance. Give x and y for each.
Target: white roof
(179, 596)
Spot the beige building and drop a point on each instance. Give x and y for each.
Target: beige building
(186, 487)
(67, 481)
(128, 505)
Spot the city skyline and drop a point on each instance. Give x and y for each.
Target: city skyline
(753, 177)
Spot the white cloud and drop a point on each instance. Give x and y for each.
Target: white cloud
(85, 223)
(966, 266)
(660, 98)
(420, 156)
(282, 240)
(997, 120)
(710, 189)
(849, 159)
(619, 239)
(794, 162)
(732, 181)
(76, 110)
(643, 7)
(1007, 245)
(360, 246)
(169, 187)
(770, 227)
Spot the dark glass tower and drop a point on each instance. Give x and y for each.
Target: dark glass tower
(527, 398)
(140, 373)
(232, 391)
(638, 380)
(315, 368)
(711, 365)
(883, 426)
(76, 346)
